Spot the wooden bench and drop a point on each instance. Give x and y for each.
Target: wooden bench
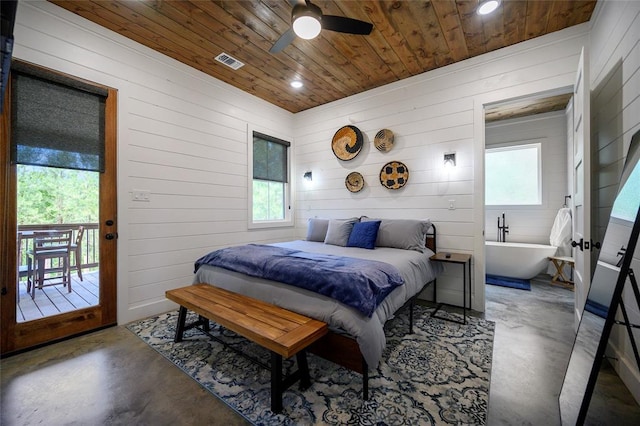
(282, 332)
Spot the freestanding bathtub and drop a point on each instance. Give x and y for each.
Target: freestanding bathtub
(517, 260)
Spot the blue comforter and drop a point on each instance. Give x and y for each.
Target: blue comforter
(361, 284)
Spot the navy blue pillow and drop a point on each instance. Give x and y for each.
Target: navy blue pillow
(364, 234)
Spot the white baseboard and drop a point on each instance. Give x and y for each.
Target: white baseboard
(138, 312)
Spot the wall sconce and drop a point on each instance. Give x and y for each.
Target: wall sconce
(450, 160)
(308, 176)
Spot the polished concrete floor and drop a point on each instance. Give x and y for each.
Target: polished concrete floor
(532, 345)
(111, 377)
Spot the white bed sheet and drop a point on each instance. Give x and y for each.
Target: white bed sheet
(415, 267)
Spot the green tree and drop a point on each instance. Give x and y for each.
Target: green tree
(52, 195)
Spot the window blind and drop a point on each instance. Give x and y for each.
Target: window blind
(55, 124)
(269, 158)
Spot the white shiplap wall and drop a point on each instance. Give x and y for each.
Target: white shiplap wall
(532, 224)
(182, 136)
(615, 83)
(433, 113)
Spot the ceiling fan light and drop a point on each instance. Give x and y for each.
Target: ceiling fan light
(306, 27)
(488, 6)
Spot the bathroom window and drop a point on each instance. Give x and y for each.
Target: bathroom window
(513, 175)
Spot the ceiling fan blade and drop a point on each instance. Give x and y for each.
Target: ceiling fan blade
(346, 25)
(284, 40)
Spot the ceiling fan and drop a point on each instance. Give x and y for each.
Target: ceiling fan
(307, 20)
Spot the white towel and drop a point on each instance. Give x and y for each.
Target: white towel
(560, 236)
(561, 232)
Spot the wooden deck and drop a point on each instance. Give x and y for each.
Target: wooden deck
(55, 300)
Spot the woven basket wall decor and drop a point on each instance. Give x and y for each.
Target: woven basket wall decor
(354, 182)
(394, 175)
(347, 142)
(384, 140)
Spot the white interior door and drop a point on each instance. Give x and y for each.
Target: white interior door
(581, 185)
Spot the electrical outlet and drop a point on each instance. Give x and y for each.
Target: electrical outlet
(452, 204)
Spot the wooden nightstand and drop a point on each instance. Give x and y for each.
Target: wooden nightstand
(461, 259)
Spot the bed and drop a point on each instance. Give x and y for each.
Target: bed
(357, 339)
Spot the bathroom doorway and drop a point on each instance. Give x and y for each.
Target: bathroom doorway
(578, 177)
(528, 146)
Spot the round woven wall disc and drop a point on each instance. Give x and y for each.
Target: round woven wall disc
(394, 175)
(383, 140)
(347, 142)
(354, 182)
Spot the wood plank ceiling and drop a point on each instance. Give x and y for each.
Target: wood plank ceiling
(526, 107)
(409, 38)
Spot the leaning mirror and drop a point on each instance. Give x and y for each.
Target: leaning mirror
(610, 276)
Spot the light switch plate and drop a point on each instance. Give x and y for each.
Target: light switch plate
(140, 195)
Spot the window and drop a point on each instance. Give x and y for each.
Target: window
(270, 194)
(513, 175)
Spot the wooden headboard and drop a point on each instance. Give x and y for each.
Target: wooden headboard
(430, 240)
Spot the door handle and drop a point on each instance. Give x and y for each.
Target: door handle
(595, 245)
(111, 236)
(580, 244)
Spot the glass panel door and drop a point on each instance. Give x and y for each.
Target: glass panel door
(98, 246)
(54, 199)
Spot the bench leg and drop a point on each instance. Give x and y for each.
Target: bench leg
(303, 368)
(205, 323)
(182, 316)
(559, 277)
(279, 383)
(411, 303)
(276, 382)
(365, 380)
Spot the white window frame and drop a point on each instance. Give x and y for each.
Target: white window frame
(288, 209)
(515, 147)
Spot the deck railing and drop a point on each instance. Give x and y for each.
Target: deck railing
(90, 257)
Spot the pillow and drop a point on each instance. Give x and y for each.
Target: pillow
(339, 230)
(364, 234)
(317, 229)
(406, 234)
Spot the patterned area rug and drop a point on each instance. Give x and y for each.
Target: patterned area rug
(437, 375)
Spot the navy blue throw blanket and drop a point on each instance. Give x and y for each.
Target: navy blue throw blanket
(361, 284)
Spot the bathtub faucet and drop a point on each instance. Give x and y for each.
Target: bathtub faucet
(503, 230)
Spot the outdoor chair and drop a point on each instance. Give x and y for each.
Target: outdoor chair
(76, 249)
(48, 246)
(23, 270)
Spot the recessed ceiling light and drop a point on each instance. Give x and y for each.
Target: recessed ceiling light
(487, 7)
(296, 84)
